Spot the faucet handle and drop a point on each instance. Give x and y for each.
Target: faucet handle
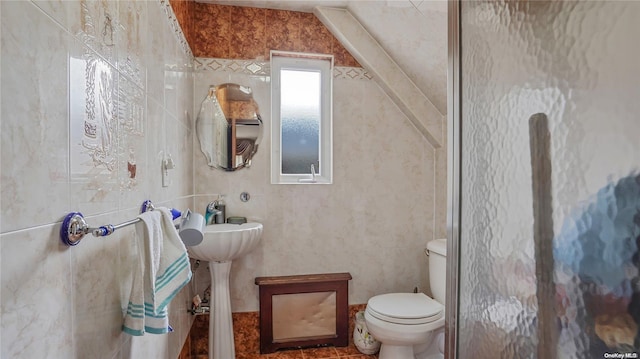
(211, 207)
(211, 213)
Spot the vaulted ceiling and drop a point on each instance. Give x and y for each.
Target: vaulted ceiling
(412, 32)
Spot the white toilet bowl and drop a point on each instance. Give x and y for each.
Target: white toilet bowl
(434, 349)
(404, 323)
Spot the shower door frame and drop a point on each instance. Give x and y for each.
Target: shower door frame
(454, 122)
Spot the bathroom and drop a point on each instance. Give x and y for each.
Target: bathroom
(65, 302)
(389, 191)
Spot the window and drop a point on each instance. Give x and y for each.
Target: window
(301, 138)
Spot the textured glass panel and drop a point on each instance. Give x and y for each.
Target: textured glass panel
(300, 112)
(576, 62)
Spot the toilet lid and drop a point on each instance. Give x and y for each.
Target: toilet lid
(405, 308)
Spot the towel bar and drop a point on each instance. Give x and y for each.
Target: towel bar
(74, 227)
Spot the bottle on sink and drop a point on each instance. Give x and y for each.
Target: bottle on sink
(220, 205)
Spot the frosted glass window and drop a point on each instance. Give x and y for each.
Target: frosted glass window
(301, 138)
(300, 120)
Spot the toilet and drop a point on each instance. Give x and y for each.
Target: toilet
(411, 325)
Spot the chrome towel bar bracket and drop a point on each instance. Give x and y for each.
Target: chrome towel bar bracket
(74, 226)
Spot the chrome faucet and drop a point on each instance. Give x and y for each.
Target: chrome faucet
(210, 213)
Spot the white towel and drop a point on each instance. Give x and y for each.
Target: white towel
(162, 270)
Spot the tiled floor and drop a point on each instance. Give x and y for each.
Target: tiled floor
(313, 353)
(247, 341)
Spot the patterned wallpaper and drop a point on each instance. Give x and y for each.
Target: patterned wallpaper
(234, 32)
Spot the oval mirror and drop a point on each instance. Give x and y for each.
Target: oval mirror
(229, 127)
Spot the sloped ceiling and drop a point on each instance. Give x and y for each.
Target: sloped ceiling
(412, 32)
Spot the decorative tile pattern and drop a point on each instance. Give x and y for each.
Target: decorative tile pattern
(74, 98)
(175, 26)
(97, 27)
(93, 131)
(351, 73)
(251, 67)
(97, 126)
(132, 41)
(183, 9)
(248, 67)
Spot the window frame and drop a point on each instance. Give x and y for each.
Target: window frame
(311, 62)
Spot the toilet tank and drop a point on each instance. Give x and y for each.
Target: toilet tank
(438, 268)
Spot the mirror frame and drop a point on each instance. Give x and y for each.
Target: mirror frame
(229, 127)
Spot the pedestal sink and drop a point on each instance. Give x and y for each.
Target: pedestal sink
(222, 244)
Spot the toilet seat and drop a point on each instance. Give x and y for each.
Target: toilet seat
(405, 308)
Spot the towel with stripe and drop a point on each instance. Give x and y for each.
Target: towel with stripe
(162, 270)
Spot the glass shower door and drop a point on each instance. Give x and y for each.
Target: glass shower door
(549, 229)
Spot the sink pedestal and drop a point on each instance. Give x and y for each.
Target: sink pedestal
(221, 345)
(222, 244)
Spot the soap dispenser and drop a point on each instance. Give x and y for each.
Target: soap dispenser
(220, 206)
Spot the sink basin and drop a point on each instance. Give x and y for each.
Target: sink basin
(226, 242)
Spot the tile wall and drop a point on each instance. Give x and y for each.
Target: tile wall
(234, 32)
(374, 220)
(95, 92)
(184, 12)
(92, 94)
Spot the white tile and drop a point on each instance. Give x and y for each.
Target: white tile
(72, 109)
(102, 270)
(60, 10)
(133, 171)
(184, 91)
(132, 40)
(316, 229)
(180, 319)
(416, 3)
(93, 132)
(155, 52)
(95, 24)
(34, 171)
(156, 140)
(37, 300)
(171, 70)
(178, 144)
